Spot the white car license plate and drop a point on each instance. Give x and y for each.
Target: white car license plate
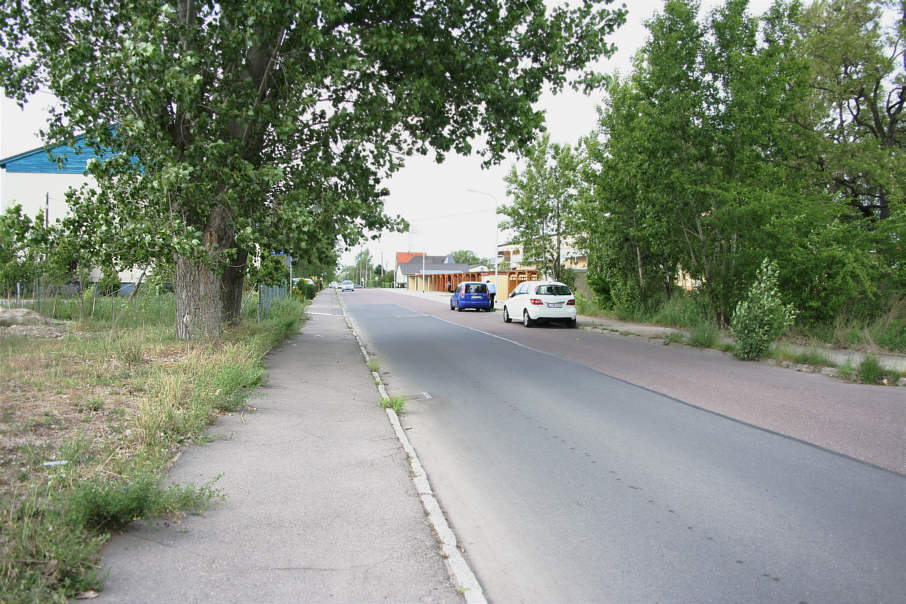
(555, 304)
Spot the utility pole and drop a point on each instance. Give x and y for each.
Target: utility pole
(496, 233)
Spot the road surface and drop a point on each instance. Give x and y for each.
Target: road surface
(566, 484)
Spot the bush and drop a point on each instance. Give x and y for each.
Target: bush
(109, 284)
(568, 276)
(307, 291)
(761, 316)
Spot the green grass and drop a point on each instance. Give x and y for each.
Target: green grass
(870, 371)
(140, 394)
(847, 372)
(887, 332)
(681, 310)
(374, 365)
(674, 338)
(811, 356)
(704, 334)
(397, 403)
(590, 307)
(103, 505)
(103, 312)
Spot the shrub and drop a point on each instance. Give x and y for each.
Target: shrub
(109, 284)
(305, 291)
(761, 316)
(568, 276)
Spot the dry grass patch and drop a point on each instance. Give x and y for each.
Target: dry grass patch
(88, 423)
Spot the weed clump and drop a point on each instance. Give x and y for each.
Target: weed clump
(394, 402)
(870, 371)
(110, 505)
(704, 335)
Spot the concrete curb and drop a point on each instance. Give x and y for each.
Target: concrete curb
(460, 572)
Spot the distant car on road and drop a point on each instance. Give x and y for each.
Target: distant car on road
(533, 301)
(333, 285)
(471, 294)
(347, 286)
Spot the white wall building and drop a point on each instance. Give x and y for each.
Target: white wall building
(38, 181)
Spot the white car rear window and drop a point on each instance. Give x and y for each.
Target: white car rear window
(553, 290)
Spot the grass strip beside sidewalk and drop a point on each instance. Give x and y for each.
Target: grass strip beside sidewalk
(89, 424)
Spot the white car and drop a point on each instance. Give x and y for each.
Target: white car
(533, 301)
(347, 286)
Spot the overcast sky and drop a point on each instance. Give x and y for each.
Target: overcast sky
(435, 199)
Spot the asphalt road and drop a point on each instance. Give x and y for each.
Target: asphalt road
(565, 484)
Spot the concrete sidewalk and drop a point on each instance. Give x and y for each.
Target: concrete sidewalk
(319, 502)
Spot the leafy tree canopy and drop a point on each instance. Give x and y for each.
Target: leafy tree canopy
(467, 257)
(256, 126)
(542, 199)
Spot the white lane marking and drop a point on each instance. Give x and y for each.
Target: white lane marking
(427, 396)
(493, 335)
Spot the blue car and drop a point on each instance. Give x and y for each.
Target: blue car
(470, 294)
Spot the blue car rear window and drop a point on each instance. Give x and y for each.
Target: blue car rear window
(476, 288)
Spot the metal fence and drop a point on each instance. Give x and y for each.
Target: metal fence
(266, 296)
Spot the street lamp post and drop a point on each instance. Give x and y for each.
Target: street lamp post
(496, 233)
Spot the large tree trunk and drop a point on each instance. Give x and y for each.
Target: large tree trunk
(199, 313)
(231, 294)
(201, 293)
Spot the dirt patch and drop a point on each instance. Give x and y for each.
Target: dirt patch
(63, 394)
(32, 331)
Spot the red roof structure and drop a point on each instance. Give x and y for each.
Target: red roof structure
(404, 257)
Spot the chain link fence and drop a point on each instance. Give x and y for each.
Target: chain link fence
(266, 296)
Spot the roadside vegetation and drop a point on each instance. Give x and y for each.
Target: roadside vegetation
(738, 141)
(397, 403)
(811, 345)
(89, 423)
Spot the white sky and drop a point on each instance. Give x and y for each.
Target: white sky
(444, 216)
(435, 199)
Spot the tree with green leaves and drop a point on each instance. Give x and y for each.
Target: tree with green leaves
(858, 66)
(363, 267)
(708, 160)
(541, 209)
(17, 261)
(698, 164)
(632, 256)
(467, 257)
(247, 127)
